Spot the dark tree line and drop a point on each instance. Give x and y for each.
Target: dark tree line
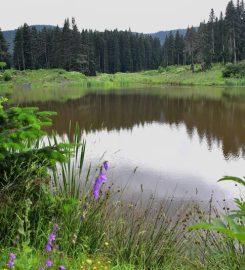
(4, 55)
(87, 52)
(218, 40)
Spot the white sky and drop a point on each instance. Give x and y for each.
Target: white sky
(139, 15)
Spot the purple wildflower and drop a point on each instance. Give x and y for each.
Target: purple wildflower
(98, 183)
(12, 256)
(41, 268)
(102, 178)
(10, 264)
(49, 247)
(49, 262)
(106, 165)
(51, 237)
(62, 267)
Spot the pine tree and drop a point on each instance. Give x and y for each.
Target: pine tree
(204, 48)
(179, 48)
(191, 45)
(19, 59)
(77, 55)
(66, 54)
(125, 52)
(211, 24)
(26, 33)
(230, 24)
(4, 55)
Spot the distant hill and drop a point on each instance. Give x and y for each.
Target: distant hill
(10, 35)
(163, 34)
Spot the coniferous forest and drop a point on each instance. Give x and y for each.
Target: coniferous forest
(88, 51)
(220, 39)
(217, 40)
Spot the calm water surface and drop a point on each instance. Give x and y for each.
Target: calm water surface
(171, 140)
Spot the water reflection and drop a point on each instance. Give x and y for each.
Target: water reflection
(175, 142)
(215, 120)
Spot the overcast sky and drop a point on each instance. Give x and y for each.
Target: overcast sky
(139, 15)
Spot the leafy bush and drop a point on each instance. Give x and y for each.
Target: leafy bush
(234, 70)
(24, 163)
(7, 76)
(21, 151)
(231, 226)
(3, 65)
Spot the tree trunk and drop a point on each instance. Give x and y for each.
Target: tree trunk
(234, 46)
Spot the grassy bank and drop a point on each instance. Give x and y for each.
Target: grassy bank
(174, 75)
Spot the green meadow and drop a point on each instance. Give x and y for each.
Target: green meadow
(174, 75)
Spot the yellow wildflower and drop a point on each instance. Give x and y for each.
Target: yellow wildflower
(89, 261)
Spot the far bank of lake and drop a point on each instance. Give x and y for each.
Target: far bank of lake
(174, 75)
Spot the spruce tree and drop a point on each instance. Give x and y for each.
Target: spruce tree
(230, 24)
(4, 55)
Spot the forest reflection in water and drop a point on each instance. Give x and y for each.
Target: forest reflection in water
(175, 140)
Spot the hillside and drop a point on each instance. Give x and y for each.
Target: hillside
(10, 35)
(163, 34)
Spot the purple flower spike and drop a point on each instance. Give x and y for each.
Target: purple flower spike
(49, 262)
(51, 237)
(10, 264)
(48, 247)
(12, 256)
(98, 183)
(62, 267)
(106, 165)
(41, 268)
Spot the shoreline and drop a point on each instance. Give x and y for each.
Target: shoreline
(170, 76)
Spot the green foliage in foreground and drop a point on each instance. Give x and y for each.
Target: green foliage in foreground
(20, 144)
(232, 225)
(29, 259)
(131, 234)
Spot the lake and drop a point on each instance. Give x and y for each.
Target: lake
(169, 140)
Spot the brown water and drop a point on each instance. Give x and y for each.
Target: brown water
(172, 140)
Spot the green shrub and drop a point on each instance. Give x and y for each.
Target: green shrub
(7, 76)
(3, 65)
(231, 226)
(20, 146)
(234, 70)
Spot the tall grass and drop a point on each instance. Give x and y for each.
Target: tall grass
(68, 177)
